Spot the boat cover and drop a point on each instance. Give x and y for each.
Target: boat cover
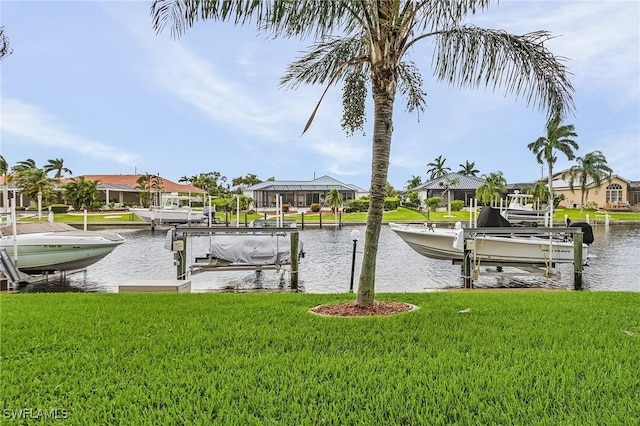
(491, 218)
(251, 249)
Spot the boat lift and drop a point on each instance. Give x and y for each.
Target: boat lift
(177, 238)
(471, 266)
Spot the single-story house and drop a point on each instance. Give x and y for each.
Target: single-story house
(614, 193)
(461, 188)
(119, 189)
(299, 193)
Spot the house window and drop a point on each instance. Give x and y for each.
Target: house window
(614, 193)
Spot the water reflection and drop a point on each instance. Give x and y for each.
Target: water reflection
(326, 268)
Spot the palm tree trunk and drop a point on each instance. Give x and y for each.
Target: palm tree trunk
(383, 96)
(550, 194)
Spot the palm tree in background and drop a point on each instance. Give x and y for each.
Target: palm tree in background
(29, 163)
(493, 187)
(592, 167)
(413, 182)
(366, 44)
(56, 165)
(558, 138)
(148, 186)
(4, 171)
(334, 200)
(468, 168)
(437, 168)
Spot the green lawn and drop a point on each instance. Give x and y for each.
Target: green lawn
(518, 357)
(400, 215)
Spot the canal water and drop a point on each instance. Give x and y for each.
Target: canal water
(326, 267)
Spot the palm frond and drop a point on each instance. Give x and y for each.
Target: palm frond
(327, 61)
(410, 87)
(469, 56)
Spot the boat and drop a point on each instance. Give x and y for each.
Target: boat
(520, 207)
(172, 212)
(49, 247)
(500, 247)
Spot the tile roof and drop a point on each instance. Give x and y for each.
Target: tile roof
(120, 182)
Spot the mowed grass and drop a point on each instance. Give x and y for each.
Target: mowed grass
(519, 357)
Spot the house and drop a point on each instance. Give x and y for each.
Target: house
(299, 193)
(120, 189)
(461, 187)
(614, 193)
(123, 189)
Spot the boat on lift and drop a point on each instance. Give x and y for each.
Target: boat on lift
(36, 248)
(173, 211)
(502, 248)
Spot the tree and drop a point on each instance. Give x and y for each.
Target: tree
(5, 49)
(334, 200)
(468, 169)
(449, 184)
(437, 168)
(148, 185)
(32, 181)
(81, 193)
(557, 139)
(592, 167)
(413, 182)
(56, 165)
(366, 43)
(493, 187)
(29, 163)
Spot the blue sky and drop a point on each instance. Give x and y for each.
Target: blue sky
(91, 82)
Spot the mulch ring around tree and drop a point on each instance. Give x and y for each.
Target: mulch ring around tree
(352, 309)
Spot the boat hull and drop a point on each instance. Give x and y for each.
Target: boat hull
(168, 215)
(58, 251)
(439, 244)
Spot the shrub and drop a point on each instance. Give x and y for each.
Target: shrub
(315, 207)
(391, 203)
(359, 205)
(457, 205)
(285, 207)
(59, 208)
(433, 202)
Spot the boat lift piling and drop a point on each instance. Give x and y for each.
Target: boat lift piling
(469, 235)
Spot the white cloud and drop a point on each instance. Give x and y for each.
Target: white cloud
(31, 125)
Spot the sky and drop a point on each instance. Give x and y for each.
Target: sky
(92, 83)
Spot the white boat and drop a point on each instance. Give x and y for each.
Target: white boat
(171, 212)
(521, 208)
(49, 247)
(502, 248)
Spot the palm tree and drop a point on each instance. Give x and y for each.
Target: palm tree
(81, 193)
(558, 138)
(5, 49)
(366, 43)
(437, 168)
(493, 187)
(29, 163)
(57, 165)
(468, 169)
(4, 170)
(413, 182)
(32, 181)
(334, 200)
(592, 167)
(148, 185)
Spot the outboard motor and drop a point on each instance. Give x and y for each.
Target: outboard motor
(587, 231)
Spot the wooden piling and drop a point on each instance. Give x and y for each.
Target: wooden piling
(295, 236)
(466, 267)
(577, 260)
